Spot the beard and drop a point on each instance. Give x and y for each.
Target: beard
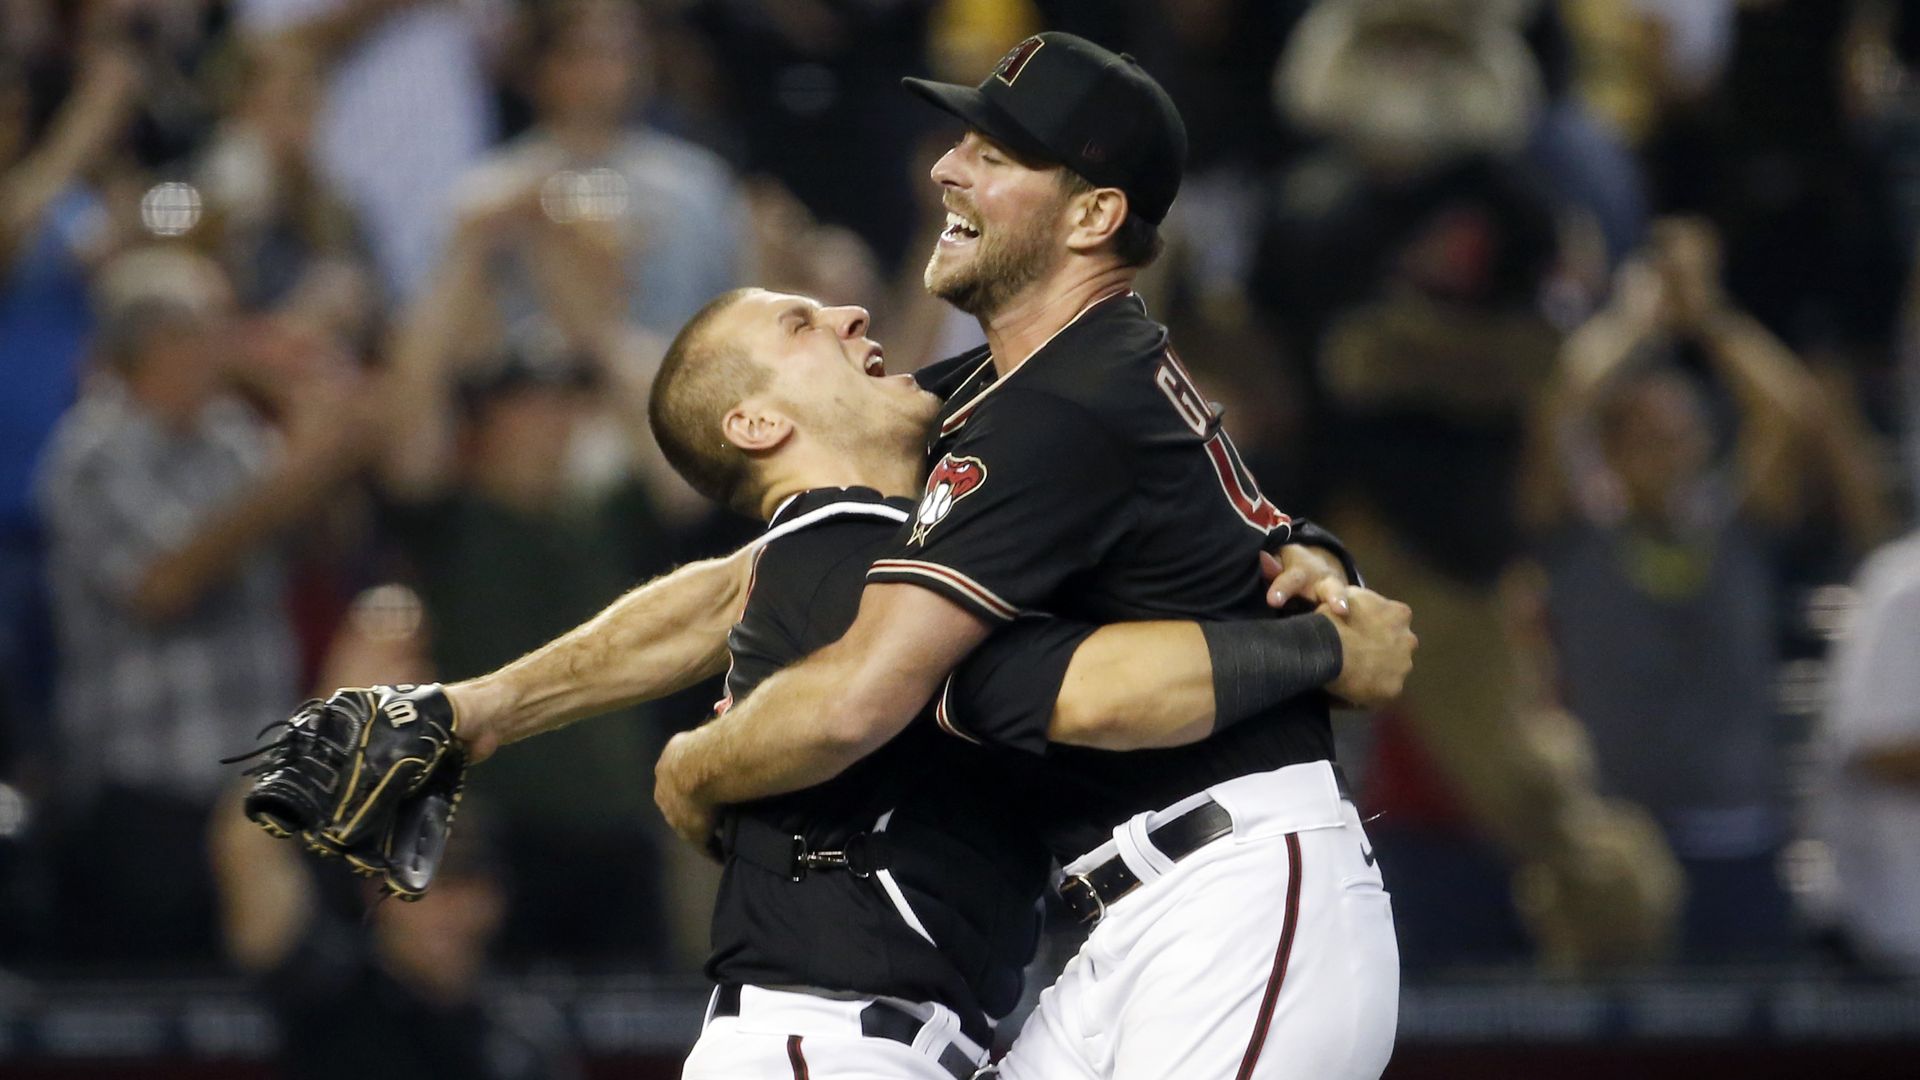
(1005, 261)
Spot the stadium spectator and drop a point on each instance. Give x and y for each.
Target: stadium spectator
(165, 498)
(1683, 443)
(288, 241)
(671, 208)
(1593, 179)
(407, 110)
(53, 229)
(1403, 266)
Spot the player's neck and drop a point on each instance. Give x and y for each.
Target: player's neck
(1017, 331)
(892, 475)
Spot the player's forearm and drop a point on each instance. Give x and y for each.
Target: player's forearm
(807, 724)
(663, 636)
(802, 727)
(1136, 686)
(1133, 686)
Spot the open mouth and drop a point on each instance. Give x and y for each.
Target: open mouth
(875, 365)
(959, 230)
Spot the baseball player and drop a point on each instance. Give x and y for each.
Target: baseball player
(871, 925)
(1240, 926)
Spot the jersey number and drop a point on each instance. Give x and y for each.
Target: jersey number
(1241, 491)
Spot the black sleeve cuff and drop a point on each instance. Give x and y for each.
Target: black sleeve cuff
(1302, 531)
(1259, 663)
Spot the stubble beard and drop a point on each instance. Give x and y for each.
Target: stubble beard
(1006, 261)
(868, 430)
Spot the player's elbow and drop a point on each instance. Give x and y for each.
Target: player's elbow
(1072, 724)
(851, 735)
(859, 724)
(1084, 716)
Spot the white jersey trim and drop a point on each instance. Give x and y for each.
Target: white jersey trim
(892, 889)
(831, 510)
(943, 714)
(981, 596)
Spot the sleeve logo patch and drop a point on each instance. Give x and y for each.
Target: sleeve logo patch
(953, 479)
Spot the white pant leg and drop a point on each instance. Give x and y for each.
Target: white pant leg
(1066, 1023)
(781, 1035)
(1176, 979)
(724, 1052)
(1216, 986)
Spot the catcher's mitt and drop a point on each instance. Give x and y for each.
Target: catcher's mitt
(372, 775)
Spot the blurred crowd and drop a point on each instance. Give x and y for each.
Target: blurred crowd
(326, 328)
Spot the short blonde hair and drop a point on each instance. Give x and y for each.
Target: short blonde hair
(698, 382)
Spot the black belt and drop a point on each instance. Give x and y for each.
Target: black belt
(1086, 895)
(760, 844)
(878, 1020)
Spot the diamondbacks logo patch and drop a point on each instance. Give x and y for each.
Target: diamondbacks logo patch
(952, 479)
(1012, 64)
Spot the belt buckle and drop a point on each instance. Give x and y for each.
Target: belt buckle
(1100, 906)
(804, 860)
(848, 859)
(821, 860)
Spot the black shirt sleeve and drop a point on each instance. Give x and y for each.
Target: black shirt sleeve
(1034, 491)
(1003, 694)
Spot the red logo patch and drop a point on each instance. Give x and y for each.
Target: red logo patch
(1012, 64)
(952, 479)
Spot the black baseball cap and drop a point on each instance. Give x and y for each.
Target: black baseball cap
(1060, 98)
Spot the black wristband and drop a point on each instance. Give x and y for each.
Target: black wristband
(1258, 663)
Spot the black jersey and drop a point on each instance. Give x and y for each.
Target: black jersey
(1095, 484)
(953, 918)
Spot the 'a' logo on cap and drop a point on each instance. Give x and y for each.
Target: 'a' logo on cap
(1015, 62)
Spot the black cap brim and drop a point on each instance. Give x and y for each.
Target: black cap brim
(972, 106)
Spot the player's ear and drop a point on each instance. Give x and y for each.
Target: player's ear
(1093, 217)
(755, 426)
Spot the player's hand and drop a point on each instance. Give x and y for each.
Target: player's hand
(1376, 644)
(1307, 573)
(690, 817)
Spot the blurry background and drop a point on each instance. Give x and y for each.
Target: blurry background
(325, 334)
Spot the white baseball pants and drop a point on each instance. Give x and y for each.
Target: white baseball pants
(1269, 953)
